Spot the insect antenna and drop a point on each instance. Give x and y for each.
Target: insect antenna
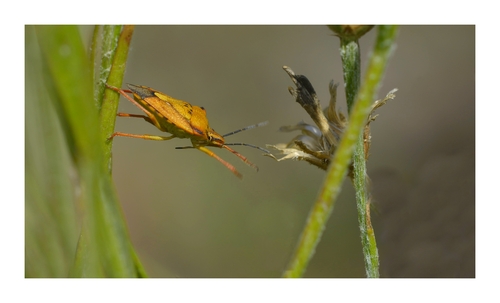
(245, 128)
(246, 144)
(250, 145)
(243, 158)
(242, 144)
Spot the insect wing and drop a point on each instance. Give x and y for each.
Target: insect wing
(190, 118)
(168, 114)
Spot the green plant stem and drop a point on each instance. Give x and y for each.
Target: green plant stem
(103, 49)
(337, 170)
(351, 63)
(367, 233)
(110, 99)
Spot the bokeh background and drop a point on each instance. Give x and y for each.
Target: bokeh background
(188, 216)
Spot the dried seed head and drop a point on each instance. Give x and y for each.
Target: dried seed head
(317, 143)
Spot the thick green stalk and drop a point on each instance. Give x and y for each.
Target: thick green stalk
(110, 98)
(103, 50)
(104, 248)
(338, 169)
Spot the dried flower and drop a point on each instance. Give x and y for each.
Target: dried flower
(317, 143)
(350, 32)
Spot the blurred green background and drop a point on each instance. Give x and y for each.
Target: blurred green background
(188, 216)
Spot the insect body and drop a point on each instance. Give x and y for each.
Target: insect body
(181, 120)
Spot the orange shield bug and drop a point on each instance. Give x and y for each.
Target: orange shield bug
(181, 120)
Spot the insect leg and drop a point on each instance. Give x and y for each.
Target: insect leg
(226, 164)
(243, 158)
(131, 115)
(116, 89)
(124, 92)
(136, 116)
(145, 137)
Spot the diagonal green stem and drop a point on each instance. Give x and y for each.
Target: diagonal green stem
(338, 169)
